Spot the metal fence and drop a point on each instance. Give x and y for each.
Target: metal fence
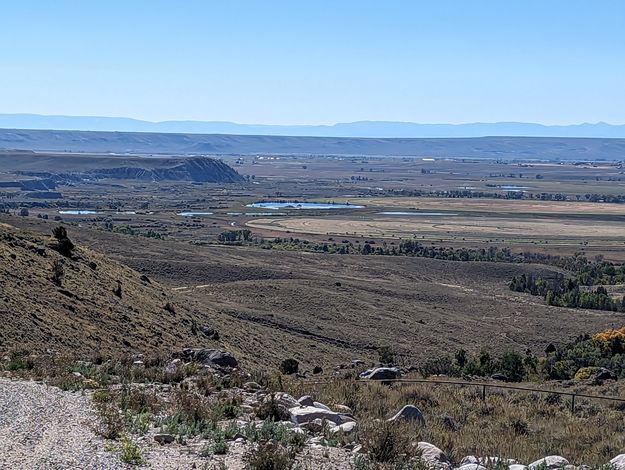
(482, 385)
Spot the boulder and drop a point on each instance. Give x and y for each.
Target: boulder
(517, 466)
(173, 366)
(343, 409)
(306, 400)
(381, 373)
(471, 466)
(251, 386)
(345, 428)
(284, 399)
(432, 455)
(500, 377)
(409, 414)
(305, 414)
(618, 462)
(604, 374)
(164, 438)
(550, 462)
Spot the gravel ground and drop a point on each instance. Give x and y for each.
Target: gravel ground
(46, 428)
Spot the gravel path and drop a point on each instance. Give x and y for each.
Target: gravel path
(46, 428)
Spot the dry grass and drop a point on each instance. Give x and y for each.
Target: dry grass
(521, 425)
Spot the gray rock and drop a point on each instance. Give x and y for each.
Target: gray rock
(409, 414)
(173, 366)
(381, 373)
(251, 386)
(209, 357)
(471, 466)
(343, 409)
(321, 405)
(517, 466)
(284, 399)
(550, 462)
(164, 438)
(306, 400)
(618, 462)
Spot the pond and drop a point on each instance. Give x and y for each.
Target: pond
(78, 212)
(193, 214)
(421, 214)
(303, 205)
(513, 188)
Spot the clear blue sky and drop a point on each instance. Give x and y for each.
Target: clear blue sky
(316, 61)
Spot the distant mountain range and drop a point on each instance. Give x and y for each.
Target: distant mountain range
(163, 143)
(373, 129)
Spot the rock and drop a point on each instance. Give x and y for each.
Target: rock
(317, 370)
(517, 466)
(321, 405)
(357, 363)
(345, 428)
(77, 374)
(471, 466)
(604, 374)
(500, 377)
(469, 459)
(164, 438)
(618, 462)
(432, 455)
(138, 363)
(306, 400)
(209, 332)
(305, 414)
(208, 357)
(381, 373)
(251, 386)
(409, 414)
(343, 409)
(173, 366)
(146, 279)
(550, 462)
(315, 426)
(285, 400)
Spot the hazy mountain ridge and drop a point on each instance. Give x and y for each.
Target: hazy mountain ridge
(352, 129)
(532, 148)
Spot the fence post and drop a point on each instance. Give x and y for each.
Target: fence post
(572, 403)
(483, 392)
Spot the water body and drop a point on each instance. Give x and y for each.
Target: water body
(303, 205)
(418, 214)
(193, 214)
(513, 188)
(264, 214)
(78, 212)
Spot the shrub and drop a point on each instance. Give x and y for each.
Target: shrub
(386, 441)
(289, 366)
(63, 244)
(386, 355)
(130, 452)
(24, 212)
(57, 272)
(269, 456)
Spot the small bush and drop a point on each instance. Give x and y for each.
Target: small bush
(385, 441)
(289, 366)
(130, 452)
(269, 456)
(57, 272)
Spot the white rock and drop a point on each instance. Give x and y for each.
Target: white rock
(381, 373)
(320, 405)
(471, 466)
(618, 462)
(550, 462)
(517, 466)
(432, 455)
(343, 409)
(306, 414)
(345, 428)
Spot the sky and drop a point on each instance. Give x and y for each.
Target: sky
(316, 61)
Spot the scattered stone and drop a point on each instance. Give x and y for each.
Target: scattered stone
(550, 462)
(381, 373)
(164, 438)
(306, 400)
(409, 414)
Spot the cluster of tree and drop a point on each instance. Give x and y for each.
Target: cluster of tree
(410, 247)
(235, 236)
(574, 292)
(580, 358)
